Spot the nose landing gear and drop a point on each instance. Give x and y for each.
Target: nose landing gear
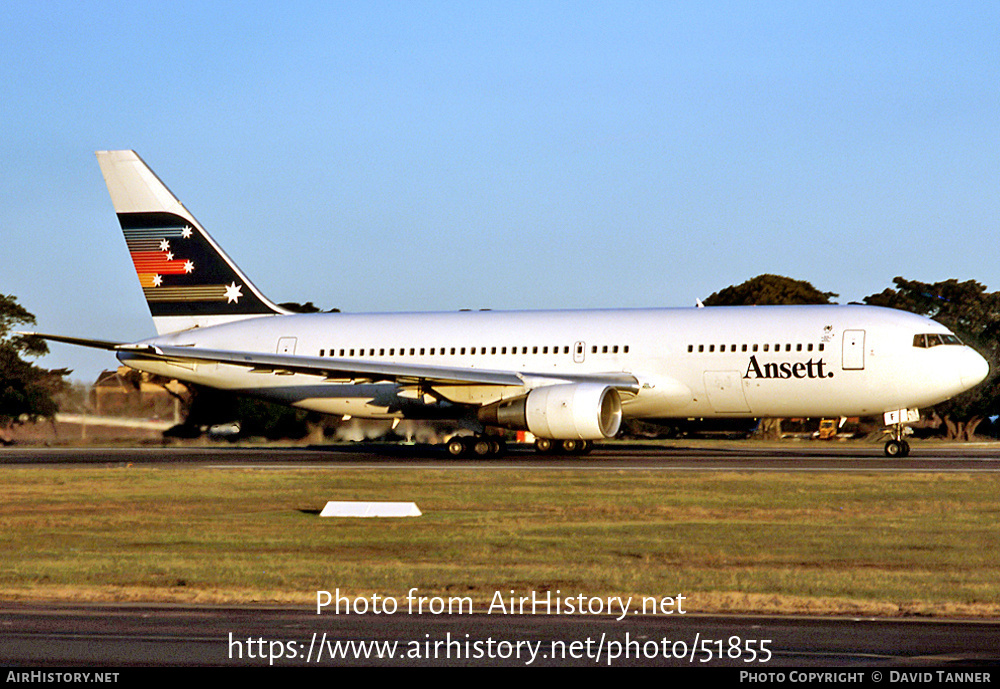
(896, 446)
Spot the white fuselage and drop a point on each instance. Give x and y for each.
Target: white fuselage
(809, 361)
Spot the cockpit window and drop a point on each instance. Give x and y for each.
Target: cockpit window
(935, 339)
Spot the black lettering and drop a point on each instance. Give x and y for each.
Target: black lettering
(753, 366)
(785, 369)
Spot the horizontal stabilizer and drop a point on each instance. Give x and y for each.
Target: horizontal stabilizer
(80, 341)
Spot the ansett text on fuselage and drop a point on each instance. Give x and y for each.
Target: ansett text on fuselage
(787, 369)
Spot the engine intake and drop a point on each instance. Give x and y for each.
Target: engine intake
(576, 411)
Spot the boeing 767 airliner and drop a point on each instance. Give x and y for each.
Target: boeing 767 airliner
(569, 377)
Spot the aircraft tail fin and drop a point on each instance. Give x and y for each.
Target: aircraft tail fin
(187, 279)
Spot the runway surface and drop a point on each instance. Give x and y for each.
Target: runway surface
(694, 456)
(122, 636)
(38, 635)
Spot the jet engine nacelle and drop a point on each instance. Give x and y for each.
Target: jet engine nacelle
(575, 411)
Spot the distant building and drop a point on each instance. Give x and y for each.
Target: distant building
(126, 392)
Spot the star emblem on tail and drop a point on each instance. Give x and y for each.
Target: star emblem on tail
(233, 293)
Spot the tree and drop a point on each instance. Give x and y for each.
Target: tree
(769, 289)
(26, 391)
(973, 314)
(308, 307)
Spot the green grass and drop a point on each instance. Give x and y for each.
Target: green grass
(851, 543)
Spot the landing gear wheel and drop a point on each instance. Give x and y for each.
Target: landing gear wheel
(456, 448)
(897, 448)
(481, 447)
(570, 447)
(543, 445)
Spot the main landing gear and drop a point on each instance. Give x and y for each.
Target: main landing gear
(477, 446)
(487, 446)
(547, 446)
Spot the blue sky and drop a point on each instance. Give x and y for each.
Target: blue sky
(397, 156)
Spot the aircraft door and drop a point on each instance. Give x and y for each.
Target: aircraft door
(286, 345)
(854, 350)
(579, 351)
(725, 391)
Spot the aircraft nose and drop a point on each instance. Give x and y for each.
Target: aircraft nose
(973, 369)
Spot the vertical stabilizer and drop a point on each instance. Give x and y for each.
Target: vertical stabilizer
(187, 279)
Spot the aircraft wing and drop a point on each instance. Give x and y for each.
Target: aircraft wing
(357, 370)
(363, 369)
